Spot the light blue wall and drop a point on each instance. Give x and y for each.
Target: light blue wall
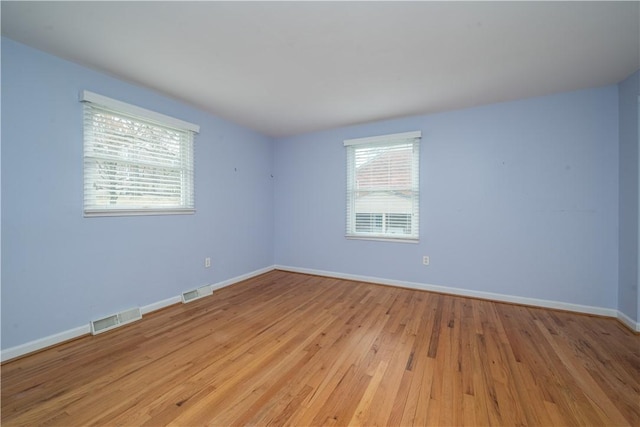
(59, 269)
(628, 298)
(518, 198)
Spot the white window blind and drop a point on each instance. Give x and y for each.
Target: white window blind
(383, 187)
(136, 161)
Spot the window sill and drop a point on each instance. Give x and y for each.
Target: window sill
(384, 239)
(137, 212)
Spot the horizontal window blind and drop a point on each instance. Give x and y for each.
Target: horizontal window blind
(135, 166)
(383, 187)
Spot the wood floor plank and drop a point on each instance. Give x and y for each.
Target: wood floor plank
(292, 349)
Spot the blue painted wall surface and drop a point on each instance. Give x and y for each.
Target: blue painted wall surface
(518, 198)
(628, 298)
(59, 269)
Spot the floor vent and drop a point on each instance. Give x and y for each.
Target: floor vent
(107, 323)
(189, 296)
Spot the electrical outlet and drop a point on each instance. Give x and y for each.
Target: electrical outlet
(207, 262)
(425, 260)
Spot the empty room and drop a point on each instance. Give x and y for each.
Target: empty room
(320, 213)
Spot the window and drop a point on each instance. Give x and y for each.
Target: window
(136, 161)
(383, 187)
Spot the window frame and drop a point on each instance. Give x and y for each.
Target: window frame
(95, 104)
(354, 219)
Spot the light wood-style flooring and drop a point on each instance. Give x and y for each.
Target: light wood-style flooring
(292, 349)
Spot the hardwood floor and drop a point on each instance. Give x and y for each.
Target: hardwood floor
(291, 349)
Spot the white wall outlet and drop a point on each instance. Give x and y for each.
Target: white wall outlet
(207, 262)
(425, 260)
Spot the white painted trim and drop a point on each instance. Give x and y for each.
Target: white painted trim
(89, 213)
(39, 344)
(384, 138)
(599, 311)
(134, 110)
(42, 343)
(628, 322)
(237, 279)
(159, 305)
(382, 239)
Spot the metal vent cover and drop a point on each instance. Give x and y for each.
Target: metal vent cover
(195, 294)
(115, 320)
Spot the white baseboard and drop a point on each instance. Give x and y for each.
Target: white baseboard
(159, 305)
(586, 309)
(629, 322)
(45, 342)
(39, 344)
(237, 279)
(42, 343)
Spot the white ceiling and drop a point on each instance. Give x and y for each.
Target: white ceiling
(284, 68)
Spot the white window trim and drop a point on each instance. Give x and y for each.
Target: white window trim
(383, 138)
(133, 110)
(149, 116)
(390, 138)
